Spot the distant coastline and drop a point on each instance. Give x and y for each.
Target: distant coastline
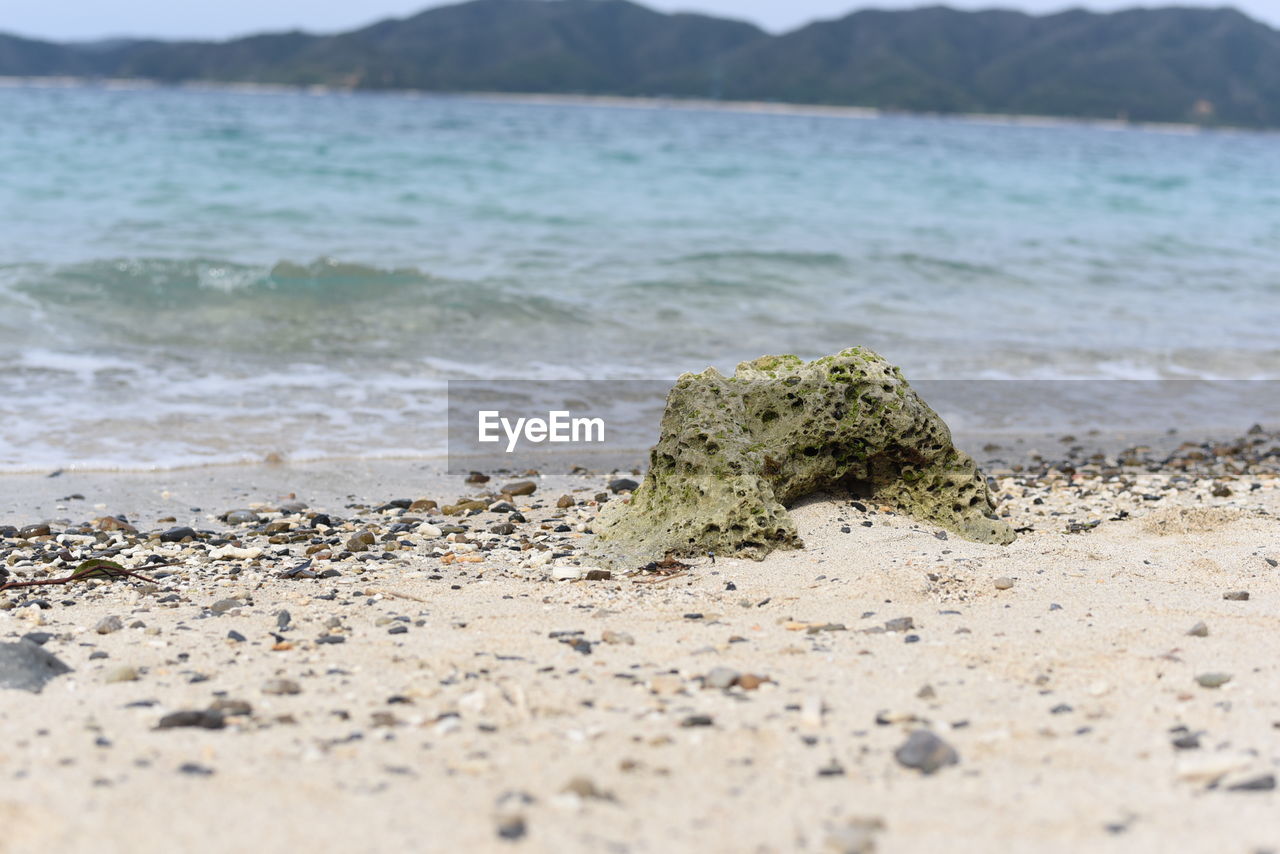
(627, 102)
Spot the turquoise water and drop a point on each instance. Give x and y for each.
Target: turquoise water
(191, 276)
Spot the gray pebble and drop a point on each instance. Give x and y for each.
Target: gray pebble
(721, 677)
(27, 667)
(1004, 582)
(1199, 630)
(241, 517)
(1213, 680)
(1236, 595)
(925, 752)
(107, 625)
(281, 687)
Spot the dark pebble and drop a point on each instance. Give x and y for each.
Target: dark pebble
(697, 720)
(235, 636)
(398, 630)
(195, 769)
(192, 718)
(1261, 783)
(1236, 595)
(925, 752)
(27, 667)
(331, 639)
(623, 484)
(177, 535)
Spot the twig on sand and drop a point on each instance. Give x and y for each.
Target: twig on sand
(94, 568)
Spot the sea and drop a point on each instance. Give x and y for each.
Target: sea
(200, 276)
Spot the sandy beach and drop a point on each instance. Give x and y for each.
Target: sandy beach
(474, 690)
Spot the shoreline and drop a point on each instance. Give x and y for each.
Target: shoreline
(637, 102)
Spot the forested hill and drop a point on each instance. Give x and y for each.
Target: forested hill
(1210, 66)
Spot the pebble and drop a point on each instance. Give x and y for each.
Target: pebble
(722, 678)
(123, 673)
(1236, 595)
(899, 624)
(241, 517)
(1199, 630)
(623, 484)
(177, 535)
(1004, 582)
(222, 606)
(281, 687)
(565, 501)
(191, 718)
(926, 752)
(1260, 783)
(107, 625)
(25, 666)
(610, 636)
(1213, 680)
(520, 487)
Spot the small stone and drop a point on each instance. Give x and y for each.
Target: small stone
(192, 718)
(124, 673)
(195, 769)
(1004, 582)
(113, 523)
(222, 606)
(697, 721)
(177, 535)
(241, 517)
(233, 635)
(623, 484)
(426, 529)
(750, 681)
(283, 618)
(831, 769)
(422, 505)
(565, 501)
(599, 575)
(512, 827)
(29, 532)
(281, 687)
(1199, 630)
(610, 636)
(27, 667)
(1236, 595)
(1260, 783)
(567, 573)
(1213, 680)
(899, 624)
(925, 752)
(520, 487)
(231, 708)
(107, 625)
(722, 678)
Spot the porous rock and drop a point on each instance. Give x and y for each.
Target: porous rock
(735, 451)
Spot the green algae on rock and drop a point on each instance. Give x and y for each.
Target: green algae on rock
(735, 451)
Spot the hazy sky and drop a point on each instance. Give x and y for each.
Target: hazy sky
(88, 19)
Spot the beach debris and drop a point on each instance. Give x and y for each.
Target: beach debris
(26, 666)
(94, 568)
(735, 451)
(926, 752)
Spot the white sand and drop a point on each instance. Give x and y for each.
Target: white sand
(533, 714)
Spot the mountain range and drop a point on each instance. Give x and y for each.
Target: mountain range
(1200, 65)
